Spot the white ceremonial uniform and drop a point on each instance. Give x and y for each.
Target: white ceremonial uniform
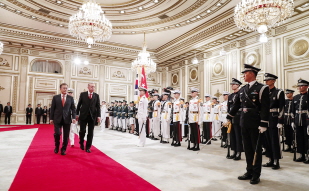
(223, 112)
(183, 118)
(194, 108)
(142, 107)
(103, 117)
(177, 112)
(215, 119)
(166, 109)
(206, 108)
(156, 118)
(73, 129)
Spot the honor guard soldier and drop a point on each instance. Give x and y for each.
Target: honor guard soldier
(166, 109)
(115, 115)
(119, 120)
(216, 124)
(195, 119)
(131, 115)
(276, 109)
(288, 119)
(104, 113)
(300, 112)
(235, 134)
(222, 117)
(124, 116)
(142, 116)
(111, 115)
(254, 101)
(149, 130)
(207, 122)
(177, 115)
(156, 116)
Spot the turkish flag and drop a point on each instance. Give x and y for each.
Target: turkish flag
(144, 81)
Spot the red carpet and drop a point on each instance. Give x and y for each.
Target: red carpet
(41, 169)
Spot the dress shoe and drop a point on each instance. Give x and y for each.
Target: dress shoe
(165, 142)
(276, 166)
(191, 148)
(204, 142)
(82, 147)
(72, 145)
(246, 176)
(196, 149)
(88, 150)
(300, 159)
(292, 151)
(264, 153)
(63, 152)
(225, 146)
(155, 139)
(173, 144)
(306, 161)
(254, 180)
(56, 150)
(237, 158)
(177, 145)
(231, 157)
(209, 143)
(214, 139)
(269, 164)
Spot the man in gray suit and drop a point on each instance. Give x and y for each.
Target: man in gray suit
(62, 114)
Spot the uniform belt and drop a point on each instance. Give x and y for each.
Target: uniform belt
(216, 113)
(193, 111)
(288, 114)
(274, 110)
(206, 112)
(176, 112)
(224, 112)
(301, 111)
(164, 111)
(155, 110)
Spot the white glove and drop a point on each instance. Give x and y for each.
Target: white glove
(279, 126)
(293, 125)
(308, 130)
(262, 129)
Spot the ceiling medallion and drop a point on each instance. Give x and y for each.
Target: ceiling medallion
(251, 15)
(144, 60)
(90, 24)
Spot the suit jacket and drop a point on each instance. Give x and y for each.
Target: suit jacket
(6, 110)
(87, 106)
(29, 110)
(1, 108)
(59, 112)
(45, 111)
(38, 111)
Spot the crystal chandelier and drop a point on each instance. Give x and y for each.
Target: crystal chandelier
(1, 47)
(260, 15)
(144, 59)
(90, 24)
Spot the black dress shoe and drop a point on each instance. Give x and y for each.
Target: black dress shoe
(165, 142)
(276, 166)
(300, 159)
(214, 139)
(264, 153)
(196, 149)
(82, 147)
(254, 180)
(56, 150)
(191, 148)
(173, 144)
(155, 139)
(306, 161)
(177, 145)
(231, 157)
(246, 176)
(225, 146)
(269, 164)
(209, 143)
(63, 152)
(88, 150)
(289, 149)
(237, 158)
(204, 142)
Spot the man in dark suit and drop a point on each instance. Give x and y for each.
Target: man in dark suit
(88, 112)
(45, 114)
(1, 110)
(8, 110)
(38, 113)
(29, 111)
(62, 114)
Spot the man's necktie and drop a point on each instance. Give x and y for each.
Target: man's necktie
(63, 100)
(90, 96)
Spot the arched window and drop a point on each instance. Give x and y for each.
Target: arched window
(46, 66)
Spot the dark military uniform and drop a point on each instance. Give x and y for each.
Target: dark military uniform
(119, 108)
(124, 117)
(150, 115)
(300, 112)
(254, 102)
(288, 117)
(235, 134)
(115, 116)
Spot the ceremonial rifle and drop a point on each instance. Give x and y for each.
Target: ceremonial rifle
(188, 136)
(258, 145)
(229, 126)
(294, 144)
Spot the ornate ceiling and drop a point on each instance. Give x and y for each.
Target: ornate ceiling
(174, 29)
